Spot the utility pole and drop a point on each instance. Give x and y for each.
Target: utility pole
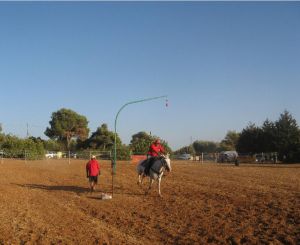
(27, 132)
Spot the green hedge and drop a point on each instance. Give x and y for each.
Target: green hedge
(13, 147)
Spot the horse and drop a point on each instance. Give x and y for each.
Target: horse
(156, 171)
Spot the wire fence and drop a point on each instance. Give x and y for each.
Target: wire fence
(263, 157)
(26, 155)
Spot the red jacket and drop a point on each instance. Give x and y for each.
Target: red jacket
(93, 168)
(155, 149)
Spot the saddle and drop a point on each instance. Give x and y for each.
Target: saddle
(144, 162)
(148, 164)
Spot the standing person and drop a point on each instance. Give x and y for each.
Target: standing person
(155, 150)
(92, 172)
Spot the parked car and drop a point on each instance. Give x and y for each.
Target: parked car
(50, 154)
(270, 157)
(73, 155)
(260, 158)
(184, 156)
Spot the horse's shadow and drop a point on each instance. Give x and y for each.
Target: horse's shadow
(68, 188)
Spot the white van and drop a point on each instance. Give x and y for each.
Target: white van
(228, 156)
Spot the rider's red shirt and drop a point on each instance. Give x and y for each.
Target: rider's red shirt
(154, 150)
(93, 167)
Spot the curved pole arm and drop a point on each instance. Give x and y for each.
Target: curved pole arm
(129, 103)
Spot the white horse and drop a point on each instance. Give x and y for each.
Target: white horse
(156, 171)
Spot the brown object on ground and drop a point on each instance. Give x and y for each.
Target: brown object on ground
(48, 202)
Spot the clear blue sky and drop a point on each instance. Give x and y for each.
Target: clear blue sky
(222, 65)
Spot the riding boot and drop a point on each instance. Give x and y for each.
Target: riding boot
(147, 168)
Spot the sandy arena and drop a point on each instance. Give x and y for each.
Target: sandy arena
(48, 202)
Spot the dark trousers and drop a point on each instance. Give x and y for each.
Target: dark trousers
(149, 165)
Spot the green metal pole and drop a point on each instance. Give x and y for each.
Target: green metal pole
(114, 164)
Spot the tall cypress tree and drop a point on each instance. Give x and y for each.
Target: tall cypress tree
(288, 137)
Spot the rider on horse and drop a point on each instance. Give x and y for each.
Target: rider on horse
(155, 150)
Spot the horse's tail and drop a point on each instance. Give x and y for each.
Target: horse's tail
(139, 167)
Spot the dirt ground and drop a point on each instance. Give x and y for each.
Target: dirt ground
(48, 202)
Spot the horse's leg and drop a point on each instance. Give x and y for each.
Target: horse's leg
(142, 178)
(150, 183)
(159, 179)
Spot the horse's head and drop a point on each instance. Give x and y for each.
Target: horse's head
(167, 163)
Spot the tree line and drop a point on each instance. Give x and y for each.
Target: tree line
(68, 131)
(281, 136)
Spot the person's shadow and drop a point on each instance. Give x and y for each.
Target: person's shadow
(68, 188)
(76, 189)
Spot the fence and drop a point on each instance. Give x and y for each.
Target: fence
(19, 155)
(264, 157)
(26, 155)
(82, 155)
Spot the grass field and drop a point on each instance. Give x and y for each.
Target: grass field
(48, 202)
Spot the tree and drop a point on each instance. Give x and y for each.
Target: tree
(185, 150)
(103, 139)
(52, 145)
(15, 147)
(2, 136)
(141, 141)
(230, 141)
(269, 137)
(123, 152)
(283, 137)
(166, 146)
(205, 146)
(250, 139)
(288, 137)
(66, 125)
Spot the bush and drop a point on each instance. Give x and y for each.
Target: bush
(14, 147)
(34, 150)
(123, 153)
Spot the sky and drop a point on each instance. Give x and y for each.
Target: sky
(221, 64)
